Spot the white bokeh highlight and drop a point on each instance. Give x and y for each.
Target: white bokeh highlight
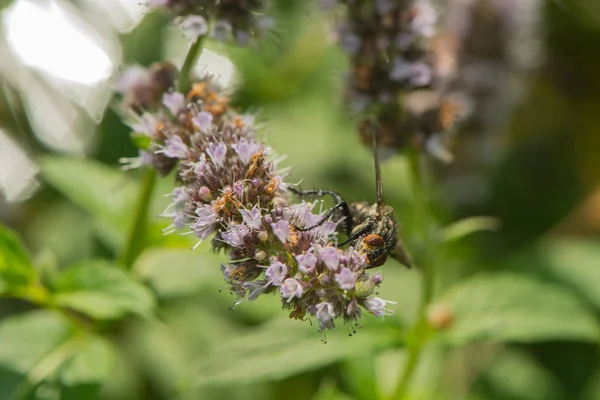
(42, 35)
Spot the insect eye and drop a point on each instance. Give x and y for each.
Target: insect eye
(374, 240)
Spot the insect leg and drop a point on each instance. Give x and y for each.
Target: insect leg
(340, 204)
(358, 234)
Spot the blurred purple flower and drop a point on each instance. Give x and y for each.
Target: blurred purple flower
(245, 149)
(291, 288)
(217, 153)
(330, 256)
(175, 102)
(346, 279)
(281, 230)
(325, 314)
(276, 273)
(253, 217)
(175, 148)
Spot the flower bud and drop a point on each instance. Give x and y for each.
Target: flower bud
(263, 236)
(440, 316)
(364, 288)
(204, 194)
(260, 256)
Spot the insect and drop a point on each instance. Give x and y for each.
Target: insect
(370, 228)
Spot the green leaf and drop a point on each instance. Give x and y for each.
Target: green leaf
(179, 272)
(284, 348)
(15, 268)
(105, 193)
(469, 226)
(82, 375)
(102, 290)
(329, 390)
(32, 346)
(514, 374)
(358, 374)
(575, 262)
(513, 307)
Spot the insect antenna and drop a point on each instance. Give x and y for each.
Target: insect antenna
(377, 175)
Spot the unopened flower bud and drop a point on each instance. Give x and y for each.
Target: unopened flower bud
(364, 288)
(205, 194)
(440, 316)
(263, 236)
(376, 279)
(260, 256)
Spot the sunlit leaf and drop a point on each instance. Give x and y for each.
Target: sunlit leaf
(469, 226)
(282, 349)
(32, 346)
(102, 291)
(15, 268)
(513, 307)
(105, 193)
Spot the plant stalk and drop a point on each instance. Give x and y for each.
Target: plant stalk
(137, 234)
(190, 61)
(423, 228)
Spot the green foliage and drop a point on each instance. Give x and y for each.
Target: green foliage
(41, 351)
(32, 346)
(102, 290)
(517, 308)
(177, 273)
(358, 374)
(16, 270)
(279, 350)
(575, 263)
(468, 226)
(516, 375)
(105, 193)
(82, 376)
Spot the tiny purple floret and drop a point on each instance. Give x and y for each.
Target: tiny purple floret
(307, 262)
(325, 314)
(245, 149)
(253, 217)
(276, 273)
(330, 256)
(203, 120)
(175, 102)
(175, 148)
(217, 153)
(281, 229)
(346, 279)
(291, 288)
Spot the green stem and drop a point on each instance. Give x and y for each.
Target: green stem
(423, 227)
(137, 233)
(190, 61)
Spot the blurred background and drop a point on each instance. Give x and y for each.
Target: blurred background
(523, 300)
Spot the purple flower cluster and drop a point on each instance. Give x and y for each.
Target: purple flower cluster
(231, 191)
(142, 88)
(229, 19)
(390, 45)
(386, 41)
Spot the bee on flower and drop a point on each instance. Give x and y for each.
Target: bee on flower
(231, 190)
